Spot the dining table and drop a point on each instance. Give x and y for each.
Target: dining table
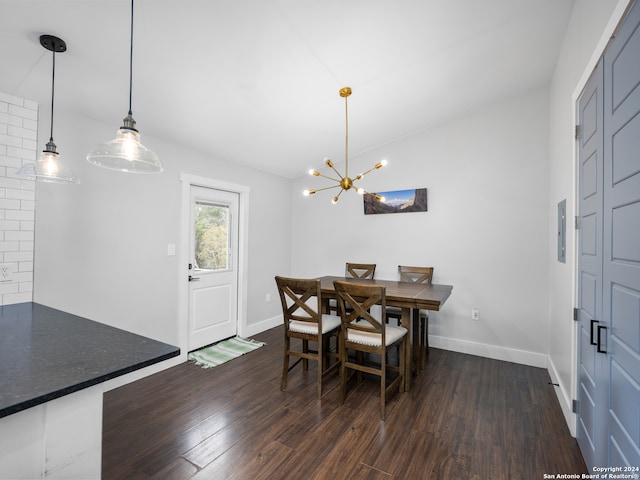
(406, 296)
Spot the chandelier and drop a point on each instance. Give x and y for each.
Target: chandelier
(345, 182)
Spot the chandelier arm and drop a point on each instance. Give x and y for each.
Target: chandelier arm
(377, 197)
(368, 171)
(334, 200)
(337, 172)
(330, 178)
(326, 188)
(375, 167)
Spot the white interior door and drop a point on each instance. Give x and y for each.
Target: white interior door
(213, 266)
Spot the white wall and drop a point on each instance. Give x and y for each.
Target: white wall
(101, 246)
(592, 23)
(486, 231)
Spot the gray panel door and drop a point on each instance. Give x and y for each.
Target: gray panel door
(621, 259)
(591, 427)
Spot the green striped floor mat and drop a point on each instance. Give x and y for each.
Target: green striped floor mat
(224, 351)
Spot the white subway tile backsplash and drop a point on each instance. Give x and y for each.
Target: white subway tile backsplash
(18, 145)
(8, 225)
(9, 287)
(22, 236)
(22, 153)
(9, 161)
(25, 267)
(27, 226)
(27, 205)
(18, 257)
(18, 215)
(20, 194)
(23, 112)
(10, 204)
(29, 144)
(17, 298)
(10, 140)
(7, 182)
(9, 246)
(30, 124)
(18, 131)
(24, 246)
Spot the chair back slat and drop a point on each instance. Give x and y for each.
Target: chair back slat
(298, 302)
(360, 270)
(355, 302)
(415, 274)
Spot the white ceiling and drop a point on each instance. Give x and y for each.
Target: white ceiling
(256, 81)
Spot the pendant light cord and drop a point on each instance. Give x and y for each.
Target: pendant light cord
(131, 61)
(53, 83)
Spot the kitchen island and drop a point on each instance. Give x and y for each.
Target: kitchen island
(52, 369)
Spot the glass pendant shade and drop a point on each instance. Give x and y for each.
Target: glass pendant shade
(48, 168)
(125, 153)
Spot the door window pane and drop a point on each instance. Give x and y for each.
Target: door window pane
(211, 236)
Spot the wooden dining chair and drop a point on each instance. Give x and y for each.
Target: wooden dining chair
(352, 270)
(301, 301)
(363, 333)
(420, 317)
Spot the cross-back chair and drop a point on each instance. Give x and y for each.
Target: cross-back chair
(363, 333)
(301, 301)
(353, 270)
(420, 317)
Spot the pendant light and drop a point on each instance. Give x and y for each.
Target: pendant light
(125, 153)
(49, 168)
(344, 182)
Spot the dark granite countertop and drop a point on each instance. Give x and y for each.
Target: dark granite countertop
(47, 353)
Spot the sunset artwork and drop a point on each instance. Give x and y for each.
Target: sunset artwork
(397, 201)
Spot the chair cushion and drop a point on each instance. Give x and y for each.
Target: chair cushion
(392, 335)
(329, 322)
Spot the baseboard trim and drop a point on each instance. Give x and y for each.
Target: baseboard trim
(564, 399)
(255, 328)
(495, 352)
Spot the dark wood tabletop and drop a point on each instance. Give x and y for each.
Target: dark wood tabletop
(398, 294)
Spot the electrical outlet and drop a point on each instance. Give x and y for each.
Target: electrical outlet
(6, 272)
(475, 314)
(268, 298)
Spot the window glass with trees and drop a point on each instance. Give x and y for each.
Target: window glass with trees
(211, 236)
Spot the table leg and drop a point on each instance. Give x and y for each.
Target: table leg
(406, 323)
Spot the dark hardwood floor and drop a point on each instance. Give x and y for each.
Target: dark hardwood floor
(466, 417)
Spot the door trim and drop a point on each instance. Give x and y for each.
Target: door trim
(243, 191)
